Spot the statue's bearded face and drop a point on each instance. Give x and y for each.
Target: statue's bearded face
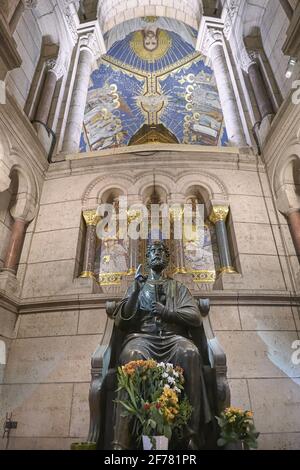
(157, 258)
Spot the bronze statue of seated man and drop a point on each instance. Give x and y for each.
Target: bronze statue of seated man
(158, 315)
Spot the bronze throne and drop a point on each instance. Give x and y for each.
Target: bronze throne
(104, 378)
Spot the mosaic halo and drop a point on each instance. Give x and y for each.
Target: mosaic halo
(164, 43)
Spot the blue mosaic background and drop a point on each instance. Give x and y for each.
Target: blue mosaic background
(177, 90)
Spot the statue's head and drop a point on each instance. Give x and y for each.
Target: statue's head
(158, 256)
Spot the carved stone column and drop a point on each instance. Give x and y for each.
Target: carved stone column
(211, 44)
(73, 131)
(54, 73)
(251, 67)
(218, 217)
(15, 246)
(91, 219)
(293, 217)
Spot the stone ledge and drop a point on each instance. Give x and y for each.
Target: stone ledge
(98, 300)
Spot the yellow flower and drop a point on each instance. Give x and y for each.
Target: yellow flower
(131, 367)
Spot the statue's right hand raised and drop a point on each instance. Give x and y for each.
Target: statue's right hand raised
(139, 279)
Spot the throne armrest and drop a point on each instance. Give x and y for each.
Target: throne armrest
(217, 358)
(99, 367)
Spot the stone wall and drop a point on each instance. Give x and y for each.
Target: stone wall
(273, 34)
(28, 39)
(47, 378)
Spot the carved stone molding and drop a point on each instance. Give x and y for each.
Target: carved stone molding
(210, 35)
(30, 4)
(229, 14)
(70, 19)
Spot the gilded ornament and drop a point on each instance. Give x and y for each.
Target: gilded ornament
(176, 213)
(228, 270)
(110, 279)
(87, 274)
(203, 276)
(219, 214)
(91, 217)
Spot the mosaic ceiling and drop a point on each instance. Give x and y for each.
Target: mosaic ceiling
(152, 77)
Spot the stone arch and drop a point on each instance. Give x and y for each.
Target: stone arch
(114, 12)
(162, 180)
(98, 186)
(210, 186)
(148, 192)
(286, 180)
(25, 200)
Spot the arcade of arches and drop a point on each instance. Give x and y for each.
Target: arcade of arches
(163, 102)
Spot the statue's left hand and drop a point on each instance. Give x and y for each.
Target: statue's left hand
(158, 308)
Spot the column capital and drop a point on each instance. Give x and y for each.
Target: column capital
(91, 39)
(210, 34)
(176, 211)
(88, 42)
(133, 214)
(247, 58)
(91, 217)
(55, 66)
(218, 214)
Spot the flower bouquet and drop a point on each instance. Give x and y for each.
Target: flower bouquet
(153, 395)
(237, 426)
